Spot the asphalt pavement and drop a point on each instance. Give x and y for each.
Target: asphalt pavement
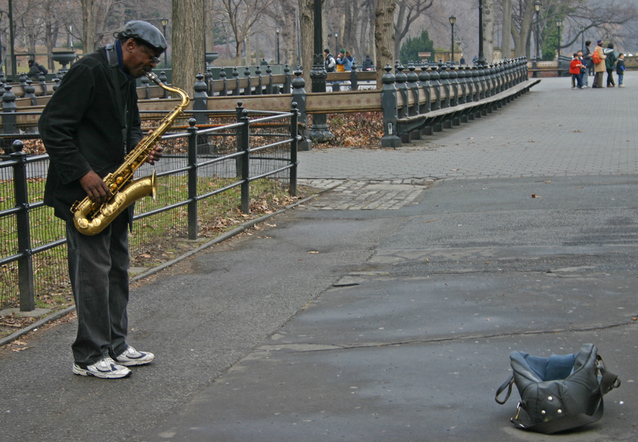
(385, 308)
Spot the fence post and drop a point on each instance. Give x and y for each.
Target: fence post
(288, 80)
(401, 80)
(222, 77)
(239, 111)
(260, 82)
(200, 100)
(29, 92)
(436, 84)
(248, 89)
(9, 108)
(294, 145)
(43, 84)
(462, 85)
(454, 86)
(445, 75)
(164, 79)
(243, 140)
(25, 262)
(424, 81)
(390, 114)
(354, 84)
(269, 85)
(299, 98)
(193, 225)
(236, 91)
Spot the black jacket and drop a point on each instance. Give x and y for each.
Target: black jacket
(84, 127)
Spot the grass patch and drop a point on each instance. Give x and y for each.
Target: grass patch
(154, 240)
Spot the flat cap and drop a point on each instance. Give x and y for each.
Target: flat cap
(146, 32)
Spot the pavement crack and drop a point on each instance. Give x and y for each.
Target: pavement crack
(311, 347)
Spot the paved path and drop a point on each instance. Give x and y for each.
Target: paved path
(384, 309)
(552, 131)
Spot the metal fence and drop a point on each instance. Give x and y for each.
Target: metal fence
(199, 167)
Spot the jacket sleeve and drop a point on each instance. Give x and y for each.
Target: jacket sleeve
(61, 117)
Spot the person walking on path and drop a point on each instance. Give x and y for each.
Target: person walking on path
(88, 126)
(598, 58)
(610, 64)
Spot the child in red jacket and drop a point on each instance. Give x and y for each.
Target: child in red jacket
(574, 69)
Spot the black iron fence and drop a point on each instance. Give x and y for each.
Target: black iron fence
(198, 164)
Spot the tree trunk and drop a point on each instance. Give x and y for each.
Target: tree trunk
(188, 43)
(488, 30)
(384, 36)
(506, 46)
(88, 25)
(307, 28)
(209, 43)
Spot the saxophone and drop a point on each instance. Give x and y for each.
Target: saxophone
(91, 218)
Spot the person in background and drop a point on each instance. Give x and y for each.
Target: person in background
(620, 69)
(587, 62)
(88, 126)
(329, 60)
(599, 68)
(574, 70)
(341, 61)
(34, 69)
(610, 64)
(583, 70)
(368, 64)
(349, 61)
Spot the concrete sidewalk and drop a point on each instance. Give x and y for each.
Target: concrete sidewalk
(386, 308)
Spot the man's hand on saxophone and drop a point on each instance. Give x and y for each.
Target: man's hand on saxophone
(155, 155)
(95, 187)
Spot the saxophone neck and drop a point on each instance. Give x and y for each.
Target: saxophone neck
(180, 92)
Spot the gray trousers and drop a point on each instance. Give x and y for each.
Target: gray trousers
(98, 269)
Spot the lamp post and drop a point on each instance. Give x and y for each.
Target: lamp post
(582, 38)
(278, 32)
(11, 42)
(1, 61)
(319, 132)
(481, 56)
(452, 21)
(559, 22)
(164, 22)
(336, 42)
(537, 8)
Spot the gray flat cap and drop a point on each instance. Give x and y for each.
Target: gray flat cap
(146, 32)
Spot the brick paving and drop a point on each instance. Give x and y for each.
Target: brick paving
(551, 131)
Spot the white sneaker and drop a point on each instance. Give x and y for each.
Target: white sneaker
(105, 368)
(130, 357)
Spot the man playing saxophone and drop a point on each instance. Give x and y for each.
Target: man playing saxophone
(90, 123)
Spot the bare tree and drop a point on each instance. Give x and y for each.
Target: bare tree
(242, 16)
(408, 12)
